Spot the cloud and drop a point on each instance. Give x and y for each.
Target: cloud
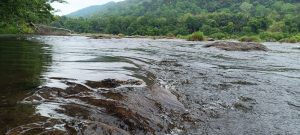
(74, 5)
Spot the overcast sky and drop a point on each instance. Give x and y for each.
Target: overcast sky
(74, 5)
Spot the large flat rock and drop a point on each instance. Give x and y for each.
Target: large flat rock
(238, 46)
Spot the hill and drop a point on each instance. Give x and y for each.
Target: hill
(275, 19)
(91, 10)
(179, 7)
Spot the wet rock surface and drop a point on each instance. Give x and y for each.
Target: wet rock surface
(105, 108)
(238, 46)
(112, 83)
(234, 94)
(104, 36)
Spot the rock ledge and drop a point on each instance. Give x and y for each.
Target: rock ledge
(238, 46)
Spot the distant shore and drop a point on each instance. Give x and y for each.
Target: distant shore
(120, 36)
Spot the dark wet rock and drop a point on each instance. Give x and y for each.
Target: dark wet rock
(45, 94)
(113, 95)
(75, 88)
(105, 36)
(222, 86)
(132, 82)
(245, 104)
(112, 83)
(169, 62)
(61, 78)
(108, 83)
(100, 37)
(294, 105)
(238, 46)
(213, 114)
(243, 107)
(38, 128)
(119, 110)
(247, 99)
(243, 83)
(296, 48)
(186, 81)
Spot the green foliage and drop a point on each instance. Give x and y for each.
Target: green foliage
(246, 7)
(250, 39)
(219, 36)
(296, 37)
(8, 29)
(293, 39)
(271, 20)
(170, 34)
(196, 36)
(182, 36)
(15, 15)
(272, 36)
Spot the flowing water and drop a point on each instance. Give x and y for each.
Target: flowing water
(77, 85)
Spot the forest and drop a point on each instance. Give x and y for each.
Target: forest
(267, 20)
(16, 15)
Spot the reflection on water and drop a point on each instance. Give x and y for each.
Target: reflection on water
(21, 65)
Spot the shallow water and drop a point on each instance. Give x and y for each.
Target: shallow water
(54, 84)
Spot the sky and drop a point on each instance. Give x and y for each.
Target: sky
(74, 5)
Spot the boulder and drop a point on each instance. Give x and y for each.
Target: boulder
(238, 46)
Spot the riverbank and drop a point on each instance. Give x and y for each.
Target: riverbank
(293, 39)
(200, 37)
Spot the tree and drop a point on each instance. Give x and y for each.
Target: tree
(246, 7)
(216, 18)
(19, 13)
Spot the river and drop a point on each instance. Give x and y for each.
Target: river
(77, 85)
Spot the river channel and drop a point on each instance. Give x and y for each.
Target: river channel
(78, 85)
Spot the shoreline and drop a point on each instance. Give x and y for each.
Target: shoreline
(110, 36)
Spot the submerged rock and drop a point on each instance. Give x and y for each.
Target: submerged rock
(238, 46)
(296, 48)
(170, 62)
(100, 37)
(102, 107)
(105, 36)
(112, 83)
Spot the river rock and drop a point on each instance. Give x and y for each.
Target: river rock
(102, 107)
(297, 48)
(238, 46)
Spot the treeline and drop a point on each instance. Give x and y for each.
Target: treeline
(16, 15)
(271, 20)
